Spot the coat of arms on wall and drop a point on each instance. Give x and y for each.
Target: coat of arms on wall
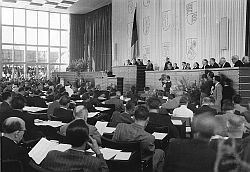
(131, 6)
(191, 48)
(166, 20)
(191, 12)
(146, 3)
(146, 25)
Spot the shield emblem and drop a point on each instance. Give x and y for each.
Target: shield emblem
(146, 3)
(191, 48)
(166, 20)
(146, 25)
(191, 12)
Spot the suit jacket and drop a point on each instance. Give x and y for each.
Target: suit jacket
(226, 64)
(124, 117)
(156, 119)
(5, 107)
(36, 101)
(119, 106)
(205, 108)
(74, 160)
(228, 93)
(214, 66)
(217, 94)
(206, 87)
(246, 64)
(135, 132)
(11, 151)
(92, 131)
(189, 155)
(64, 115)
(32, 131)
(52, 107)
(238, 64)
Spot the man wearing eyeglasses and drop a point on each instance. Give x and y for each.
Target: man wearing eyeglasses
(13, 131)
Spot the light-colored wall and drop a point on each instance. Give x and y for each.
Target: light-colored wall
(1, 54)
(184, 30)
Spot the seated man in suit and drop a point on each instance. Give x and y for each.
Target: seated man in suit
(6, 105)
(124, 117)
(18, 103)
(13, 131)
(193, 155)
(156, 119)
(63, 113)
(205, 107)
(54, 105)
(115, 99)
(136, 132)
(36, 101)
(76, 159)
(80, 112)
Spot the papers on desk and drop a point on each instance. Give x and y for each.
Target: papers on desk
(159, 136)
(165, 98)
(188, 129)
(101, 98)
(78, 101)
(102, 127)
(48, 103)
(53, 124)
(108, 130)
(122, 156)
(102, 108)
(41, 149)
(92, 114)
(176, 122)
(43, 97)
(109, 153)
(33, 109)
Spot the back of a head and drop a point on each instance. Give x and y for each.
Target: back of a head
(141, 113)
(64, 100)
(235, 126)
(18, 102)
(217, 78)
(81, 112)
(77, 133)
(153, 103)
(146, 88)
(130, 105)
(6, 95)
(237, 99)
(205, 125)
(13, 124)
(210, 74)
(184, 100)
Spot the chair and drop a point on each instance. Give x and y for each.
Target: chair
(11, 166)
(186, 122)
(38, 168)
(106, 115)
(135, 162)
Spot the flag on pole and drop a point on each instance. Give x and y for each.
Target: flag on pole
(134, 41)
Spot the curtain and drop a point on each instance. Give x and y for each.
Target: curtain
(91, 38)
(247, 44)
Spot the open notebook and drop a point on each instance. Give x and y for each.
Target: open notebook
(42, 148)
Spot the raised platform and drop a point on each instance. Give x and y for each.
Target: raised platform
(240, 77)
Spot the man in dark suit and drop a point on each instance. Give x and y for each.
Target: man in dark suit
(236, 61)
(18, 102)
(223, 63)
(13, 131)
(6, 105)
(246, 61)
(76, 159)
(157, 119)
(205, 64)
(206, 85)
(206, 102)
(63, 113)
(136, 132)
(115, 99)
(193, 155)
(124, 117)
(213, 64)
(166, 63)
(35, 100)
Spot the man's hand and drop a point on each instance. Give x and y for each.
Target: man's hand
(93, 145)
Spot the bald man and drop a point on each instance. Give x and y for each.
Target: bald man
(223, 63)
(236, 61)
(13, 131)
(81, 112)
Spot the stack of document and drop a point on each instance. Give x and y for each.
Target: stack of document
(102, 108)
(102, 127)
(92, 114)
(42, 148)
(54, 124)
(33, 109)
(113, 153)
(159, 136)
